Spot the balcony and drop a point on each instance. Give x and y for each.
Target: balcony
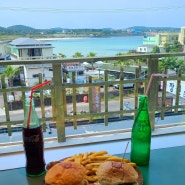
(71, 123)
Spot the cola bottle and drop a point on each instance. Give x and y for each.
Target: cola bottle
(33, 141)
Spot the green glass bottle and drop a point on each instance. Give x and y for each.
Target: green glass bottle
(141, 134)
(33, 142)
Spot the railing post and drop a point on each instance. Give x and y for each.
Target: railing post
(90, 99)
(74, 100)
(121, 91)
(6, 104)
(106, 98)
(136, 87)
(164, 95)
(59, 101)
(153, 92)
(42, 104)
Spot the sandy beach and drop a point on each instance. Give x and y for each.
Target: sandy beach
(64, 38)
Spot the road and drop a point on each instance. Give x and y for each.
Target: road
(92, 128)
(87, 128)
(113, 106)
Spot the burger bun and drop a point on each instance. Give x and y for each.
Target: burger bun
(65, 173)
(116, 173)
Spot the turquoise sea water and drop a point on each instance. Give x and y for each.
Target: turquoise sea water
(108, 46)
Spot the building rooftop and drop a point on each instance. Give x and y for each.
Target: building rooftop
(148, 45)
(28, 42)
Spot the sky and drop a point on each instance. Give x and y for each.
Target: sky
(116, 14)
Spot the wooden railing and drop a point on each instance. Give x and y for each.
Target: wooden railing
(58, 92)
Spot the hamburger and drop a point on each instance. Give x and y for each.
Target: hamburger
(116, 173)
(66, 173)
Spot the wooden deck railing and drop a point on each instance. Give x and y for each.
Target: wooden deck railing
(58, 92)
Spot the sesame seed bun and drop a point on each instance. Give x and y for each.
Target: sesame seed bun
(115, 173)
(65, 173)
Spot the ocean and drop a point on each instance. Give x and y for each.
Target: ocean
(107, 46)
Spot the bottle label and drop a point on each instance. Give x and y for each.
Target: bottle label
(32, 139)
(141, 126)
(141, 130)
(32, 136)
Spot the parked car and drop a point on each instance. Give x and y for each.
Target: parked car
(125, 85)
(36, 93)
(97, 81)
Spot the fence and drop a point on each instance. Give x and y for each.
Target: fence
(59, 93)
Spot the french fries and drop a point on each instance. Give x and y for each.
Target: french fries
(92, 160)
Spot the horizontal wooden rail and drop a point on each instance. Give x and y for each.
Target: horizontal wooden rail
(59, 106)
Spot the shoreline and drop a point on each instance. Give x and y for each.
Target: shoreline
(71, 38)
(64, 38)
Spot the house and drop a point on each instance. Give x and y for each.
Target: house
(27, 48)
(147, 48)
(167, 38)
(4, 50)
(182, 36)
(160, 39)
(152, 39)
(4, 53)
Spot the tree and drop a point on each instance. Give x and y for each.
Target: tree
(173, 63)
(78, 55)
(167, 48)
(121, 62)
(61, 55)
(10, 72)
(175, 47)
(91, 54)
(156, 49)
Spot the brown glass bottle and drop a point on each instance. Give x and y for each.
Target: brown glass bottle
(141, 134)
(33, 143)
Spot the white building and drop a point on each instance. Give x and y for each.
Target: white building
(31, 73)
(182, 36)
(146, 48)
(27, 48)
(30, 49)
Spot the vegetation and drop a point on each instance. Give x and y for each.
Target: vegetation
(91, 54)
(16, 31)
(61, 55)
(10, 72)
(172, 63)
(156, 49)
(78, 55)
(175, 47)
